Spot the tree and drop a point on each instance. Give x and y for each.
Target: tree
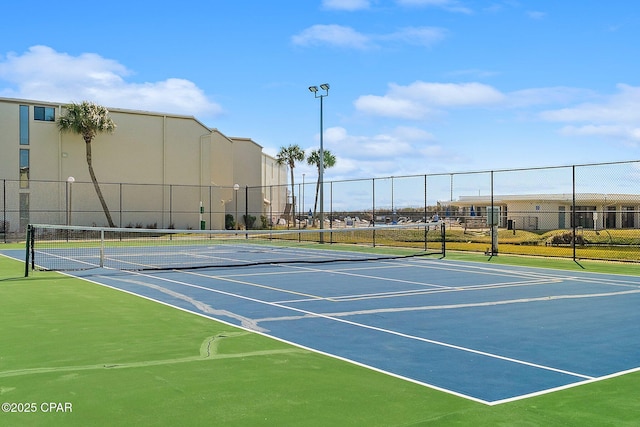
(329, 162)
(88, 119)
(289, 156)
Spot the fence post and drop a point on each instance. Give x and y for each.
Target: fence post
(4, 210)
(246, 207)
(394, 217)
(270, 207)
(425, 198)
(170, 205)
(573, 211)
(494, 224)
(373, 210)
(331, 205)
(426, 227)
(373, 201)
(120, 222)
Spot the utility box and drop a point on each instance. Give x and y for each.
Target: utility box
(493, 215)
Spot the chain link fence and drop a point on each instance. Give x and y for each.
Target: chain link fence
(580, 211)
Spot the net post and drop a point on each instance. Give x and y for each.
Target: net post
(28, 245)
(573, 212)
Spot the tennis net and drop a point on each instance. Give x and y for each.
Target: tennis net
(55, 247)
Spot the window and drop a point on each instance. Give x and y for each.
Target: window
(610, 217)
(24, 125)
(628, 215)
(47, 114)
(584, 216)
(24, 168)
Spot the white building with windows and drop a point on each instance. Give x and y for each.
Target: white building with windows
(155, 169)
(553, 211)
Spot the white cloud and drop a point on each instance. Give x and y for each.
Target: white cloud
(533, 14)
(547, 95)
(422, 100)
(402, 151)
(377, 146)
(420, 36)
(449, 5)
(349, 5)
(630, 133)
(419, 100)
(347, 37)
(413, 134)
(479, 73)
(336, 35)
(615, 117)
(387, 106)
(448, 94)
(623, 107)
(91, 77)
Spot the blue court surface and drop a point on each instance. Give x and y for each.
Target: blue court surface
(486, 332)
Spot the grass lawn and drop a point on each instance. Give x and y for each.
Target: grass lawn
(117, 359)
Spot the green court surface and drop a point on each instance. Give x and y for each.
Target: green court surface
(76, 353)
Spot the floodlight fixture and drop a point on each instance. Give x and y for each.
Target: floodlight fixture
(313, 89)
(324, 86)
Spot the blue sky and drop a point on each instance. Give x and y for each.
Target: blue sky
(417, 86)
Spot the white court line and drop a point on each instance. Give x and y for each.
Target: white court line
(374, 328)
(473, 269)
(368, 276)
(536, 279)
(455, 306)
(416, 292)
(255, 285)
(298, 269)
(439, 288)
(379, 295)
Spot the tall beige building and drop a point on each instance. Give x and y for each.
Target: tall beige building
(156, 170)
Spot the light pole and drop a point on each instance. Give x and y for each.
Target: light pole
(70, 181)
(303, 211)
(236, 187)
(314, 89)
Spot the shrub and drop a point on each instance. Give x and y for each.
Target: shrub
(229, 222)
(249, 221)
(567, 239)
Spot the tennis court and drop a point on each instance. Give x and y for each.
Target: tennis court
(487, 333)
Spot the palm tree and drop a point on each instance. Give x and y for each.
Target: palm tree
(88, 119)
(289, 156)
(329, 162)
